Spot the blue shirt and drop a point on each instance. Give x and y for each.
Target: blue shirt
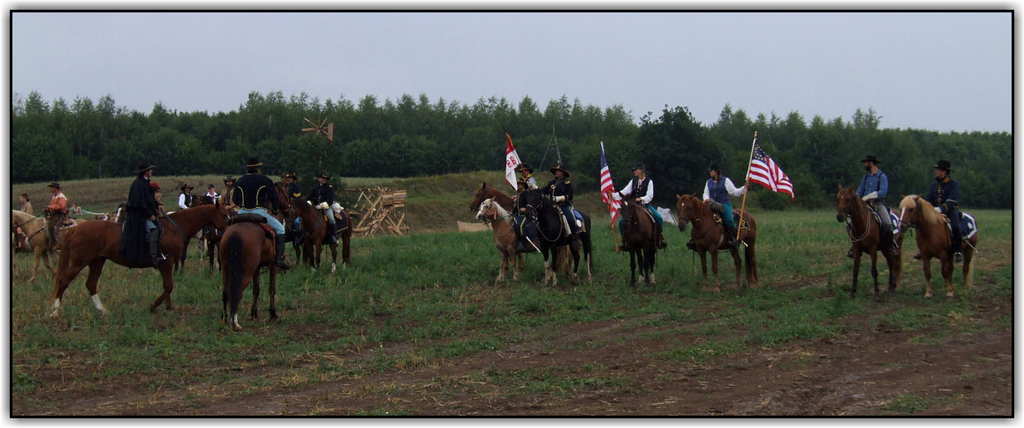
(874, 183)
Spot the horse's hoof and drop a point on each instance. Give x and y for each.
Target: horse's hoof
(928, 295)
(949, 294)
(54, 315)
(236, 327)
(334, 267)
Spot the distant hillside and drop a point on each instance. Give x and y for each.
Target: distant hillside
(435, 202)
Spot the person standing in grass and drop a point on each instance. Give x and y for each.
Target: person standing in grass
(211, 193)
(185, 198)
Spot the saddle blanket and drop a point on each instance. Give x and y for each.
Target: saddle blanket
(968, 225)
(894, 219)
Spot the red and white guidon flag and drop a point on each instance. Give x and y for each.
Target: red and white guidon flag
(511, 162)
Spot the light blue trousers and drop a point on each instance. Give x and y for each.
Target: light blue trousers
(262, 212)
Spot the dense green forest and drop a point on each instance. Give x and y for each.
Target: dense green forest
(58, 140)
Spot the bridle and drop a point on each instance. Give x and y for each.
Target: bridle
(849, 226)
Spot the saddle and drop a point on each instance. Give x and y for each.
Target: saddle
(253, 218)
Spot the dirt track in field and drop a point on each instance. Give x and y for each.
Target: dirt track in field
(613, 367)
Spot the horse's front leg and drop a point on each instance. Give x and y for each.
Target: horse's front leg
(856, 271)
(926, 262)
(714, 270)
(254, 312)
(947, 274)
(736, 263)
(273, 292)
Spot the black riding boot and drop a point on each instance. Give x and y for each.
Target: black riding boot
(279, 240)
(730, 237)
(661, 238)
(153, 239)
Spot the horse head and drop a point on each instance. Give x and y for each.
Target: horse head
(487, 212)
(910, 207)
(220, 215)
(478, 198)
(846, 199)
(688, 208)
(284, 200)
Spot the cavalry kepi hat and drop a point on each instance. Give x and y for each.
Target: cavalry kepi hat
(54, 185)
(253, 163)
(291, 175)
(872, 159)
(143, 167)
(558, 167)
(943, 165)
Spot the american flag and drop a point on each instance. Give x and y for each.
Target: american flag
(765, 171)
(607, 188)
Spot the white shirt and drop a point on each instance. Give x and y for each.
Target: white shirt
(647, 198)
(181, 201)
(730, 188)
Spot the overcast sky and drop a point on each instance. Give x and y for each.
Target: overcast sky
(943, 71)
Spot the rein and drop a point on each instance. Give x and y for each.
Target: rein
(849, 229)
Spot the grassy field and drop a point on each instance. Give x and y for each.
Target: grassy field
(417, 326)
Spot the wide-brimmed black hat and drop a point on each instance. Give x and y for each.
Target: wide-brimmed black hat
(638, 165)
(253, 163)
(229, 179)
(558, 167)
(54, 185)
(943, 165)
(143, 167)
(323, 175)
(714, 167)
(187, 186)
(526, 168)
(290, 175)
(872, 159)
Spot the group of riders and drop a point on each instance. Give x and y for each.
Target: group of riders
(943, 193)
(254, 192)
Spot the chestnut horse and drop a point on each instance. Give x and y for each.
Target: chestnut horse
(92, 243)
(314, 233)
(488, 192)
(708, 236)
(38, 240)
(640, 239)
(933, 240)
(245, 249)
(864, 235)
(504, 237)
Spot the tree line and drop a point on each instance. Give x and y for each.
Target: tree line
(410, 136)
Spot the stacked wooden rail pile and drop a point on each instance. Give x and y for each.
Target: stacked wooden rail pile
(380, 210)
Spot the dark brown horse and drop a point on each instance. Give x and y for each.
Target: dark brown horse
(933, 240)
(487, 192)
(209, 237)
(314, 233)
(708, 237)
(639, 237)
(93, 242)
(246, 247)
(865, 236)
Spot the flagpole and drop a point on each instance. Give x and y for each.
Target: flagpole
(746, 189)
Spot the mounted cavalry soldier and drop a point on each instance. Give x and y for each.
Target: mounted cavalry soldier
(185, 198)
(252, 193)
(322, 197)
(718, 189)
(140, 238)
(873, 189)
(640, 189)
(526, 180)
(290, 185)
(56, 212)
(944, 194)
(560, 190)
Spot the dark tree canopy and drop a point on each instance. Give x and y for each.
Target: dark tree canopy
(409, 136)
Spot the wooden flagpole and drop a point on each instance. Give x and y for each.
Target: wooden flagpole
(746, 189)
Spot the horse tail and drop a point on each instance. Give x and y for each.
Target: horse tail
(969, 271)
(233, 283)
(587, 243)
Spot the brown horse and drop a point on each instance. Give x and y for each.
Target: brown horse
(314, 233)
(38, 240)
(933, 240)
(209, 237)
(639, 237)
(504, 237)
(92, 243)
(246, 248)
(487, 192)
(708, 236)
(865, 236)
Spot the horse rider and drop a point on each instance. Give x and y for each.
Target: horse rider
(640, 189)
(26, 204)
(718, 189)
(560, 190)
(141, 234)
(944, 194)
(56, 212)
(185, 198)
(873, 189)
(229, 187)
(526, 180)
(211, 193)
(295, 192)
(251, 194)
(322, 197)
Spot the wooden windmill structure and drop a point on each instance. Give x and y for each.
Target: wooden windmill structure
(322, 127)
